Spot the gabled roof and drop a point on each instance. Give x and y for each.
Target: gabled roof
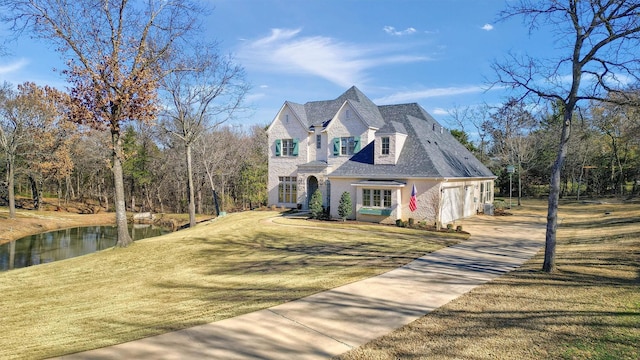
(429, 151)
(319, 113)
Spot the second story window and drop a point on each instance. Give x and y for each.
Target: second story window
(347, 145)
(318, 141)
(385, 145)
(287, 147)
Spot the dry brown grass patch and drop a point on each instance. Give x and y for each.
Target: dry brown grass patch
(231, 266)
(588, 309)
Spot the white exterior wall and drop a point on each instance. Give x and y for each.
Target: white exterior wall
(341, 126)
(396, 142)
(428, 199)
(286, 165)
(434, 199)
(338, 186)
(320, 154)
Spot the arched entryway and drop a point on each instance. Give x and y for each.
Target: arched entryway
(312, 186)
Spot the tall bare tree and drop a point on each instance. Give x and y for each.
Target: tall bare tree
(511, 128)
(476, 116)
(601, 38)
(207, 93)
(14, 116)
(115, 50)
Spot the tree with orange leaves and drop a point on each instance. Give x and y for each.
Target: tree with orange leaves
(46, 153)
(115, 52)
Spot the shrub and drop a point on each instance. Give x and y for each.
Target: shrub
(399, 223)
(459, 228)
(411, 222)
(499, 205)
(345, 208)
(315, 205)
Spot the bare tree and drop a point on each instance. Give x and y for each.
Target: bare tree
(601, 38)
(206, 93)
(511, 128)
(14, 116)
(114, 50)
(476, 117)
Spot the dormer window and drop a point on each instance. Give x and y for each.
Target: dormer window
(348, 114)
(385, 145)
(318, 141)
(286, 118)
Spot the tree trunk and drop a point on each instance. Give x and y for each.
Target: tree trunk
(549, 264)
(12, 192)
(124, 239)
(35, 193)
(519, 184)
(192, 202)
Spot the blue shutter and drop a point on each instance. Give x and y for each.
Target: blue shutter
(356, 144)
(336, 146)
(295, 147)
(278, 147)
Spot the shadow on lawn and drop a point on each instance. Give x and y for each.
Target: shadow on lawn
(267, 253)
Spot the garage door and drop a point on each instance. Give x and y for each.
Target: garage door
(452, 200)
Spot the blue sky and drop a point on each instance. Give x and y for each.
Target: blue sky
(437, 53)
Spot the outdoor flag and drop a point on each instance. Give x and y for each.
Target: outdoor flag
(413, 202)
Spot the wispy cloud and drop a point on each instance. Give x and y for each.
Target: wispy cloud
(392, 31)
(487, 27)
(345, 64)
(413, 96)
(13, 66)
(439, 111)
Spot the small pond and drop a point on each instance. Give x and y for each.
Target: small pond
(64, 244)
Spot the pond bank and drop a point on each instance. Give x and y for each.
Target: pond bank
(31, 222)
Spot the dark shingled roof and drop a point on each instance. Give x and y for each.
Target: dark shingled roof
(429, 151)
(318, 113)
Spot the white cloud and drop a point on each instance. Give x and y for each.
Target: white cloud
(413, 96)
(13, 67)
(392, 31)
(487, 27)
(439, 111)
(344, 64)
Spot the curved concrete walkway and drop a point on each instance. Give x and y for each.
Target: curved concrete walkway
(332, 322)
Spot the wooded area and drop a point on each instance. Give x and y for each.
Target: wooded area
(50, 156)
(603, 158)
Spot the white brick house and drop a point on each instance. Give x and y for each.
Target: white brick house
(377, 154)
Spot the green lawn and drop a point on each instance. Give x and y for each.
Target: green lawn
(234, 265)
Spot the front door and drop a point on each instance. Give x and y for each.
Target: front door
(312, 186)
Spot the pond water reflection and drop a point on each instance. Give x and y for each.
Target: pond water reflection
(64, 244)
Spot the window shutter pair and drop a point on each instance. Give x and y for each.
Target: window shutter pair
(336, 145)
(279, 147)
